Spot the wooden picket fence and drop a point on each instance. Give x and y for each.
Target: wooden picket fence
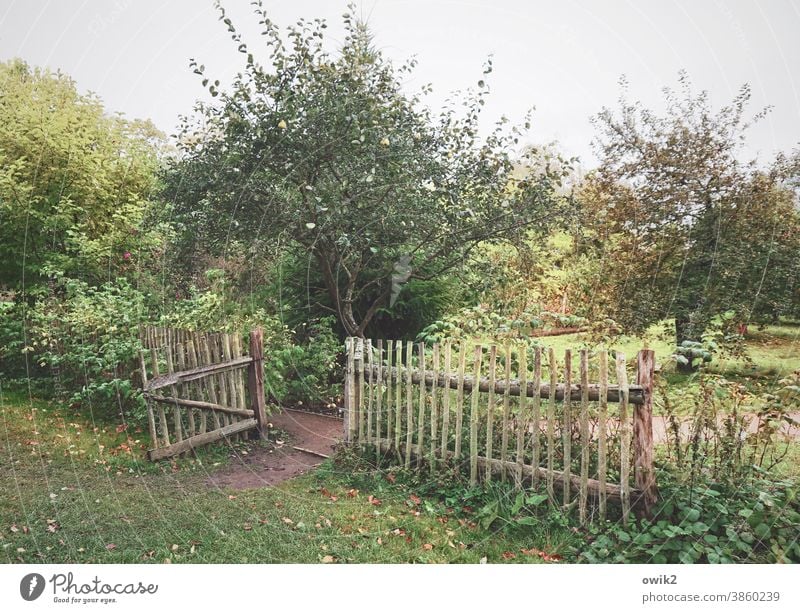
(210, 397)
(511, 413)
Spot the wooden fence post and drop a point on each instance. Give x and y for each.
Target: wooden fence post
(255, 380)
(350, 392)
(644, 472)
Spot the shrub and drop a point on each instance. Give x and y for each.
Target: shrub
(88, 338)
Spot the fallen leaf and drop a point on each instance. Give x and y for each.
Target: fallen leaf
(352, 493)
(427, 546)
(287, 521)
(327, 559)
(415, 499)
(247, 527)
(174, 547)
(391, 478)
(508, 555)
(111, 546)
(374, 501)
(14, 528)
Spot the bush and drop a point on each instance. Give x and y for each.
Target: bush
(708, 522)
(88, 339)
(308, 371)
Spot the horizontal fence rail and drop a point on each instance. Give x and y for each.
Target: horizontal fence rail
(215, 392)
(574, 425)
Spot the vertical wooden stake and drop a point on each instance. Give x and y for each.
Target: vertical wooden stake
(567, 433)
(379, 402)
(349, 392)
(423, 392)
(255, 380)
(462, 364)
(583, 496)
(398, 396)
(644, 472)
(490, 411)
(625, 438)
(409, 402)
(602, 427)
(522, 415)
(551, 420)
(473, 417)
(506, 410)
(446, 399)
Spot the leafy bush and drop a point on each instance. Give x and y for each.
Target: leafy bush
(708, 522)
(12, 335)
(88, 338)
(308, 371)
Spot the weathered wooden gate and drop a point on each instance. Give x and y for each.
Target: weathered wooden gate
(511, 411)
(203, 395)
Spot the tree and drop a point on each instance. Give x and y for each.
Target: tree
(692, 232)
(75, 183)
(327, 153)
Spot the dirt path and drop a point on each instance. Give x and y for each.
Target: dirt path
(263, 467)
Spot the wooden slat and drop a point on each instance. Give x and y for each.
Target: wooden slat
(473, 419)
(360, 399)
(370, 391)
(537, 418)
(522, 415)
(379, 399)
(389, 391)
(241, 374)
(183, 390)
(230, 380)
(399, 408)
(490, 406)
(200, 440)
(635, 392)
(602, 426)
(162, 417)
(409, 402)
(434, 403)
(200, 404)
(151, 420)
(566, 441)
(583, 494)
(422, 403)
(446, 399)
(176, 413)
(215, 367)
(462, 359)
(506, 409)
(551, 420)
(210, 383)
(197, 385)
(350, 423)
(625, 427)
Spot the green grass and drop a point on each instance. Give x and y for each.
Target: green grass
(79, 492)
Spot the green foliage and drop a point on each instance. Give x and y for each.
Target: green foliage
(709, 523)
(308, 372)
(674, 217)
(479, 321)
(335, 160)
(88, 342)
(75, 182)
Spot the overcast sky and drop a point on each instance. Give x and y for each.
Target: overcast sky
(565, 58)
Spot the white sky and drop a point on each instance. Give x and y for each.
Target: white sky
(564, 58)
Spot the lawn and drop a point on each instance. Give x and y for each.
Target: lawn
(76, 489)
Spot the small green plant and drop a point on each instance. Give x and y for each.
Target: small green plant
(707, 522)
